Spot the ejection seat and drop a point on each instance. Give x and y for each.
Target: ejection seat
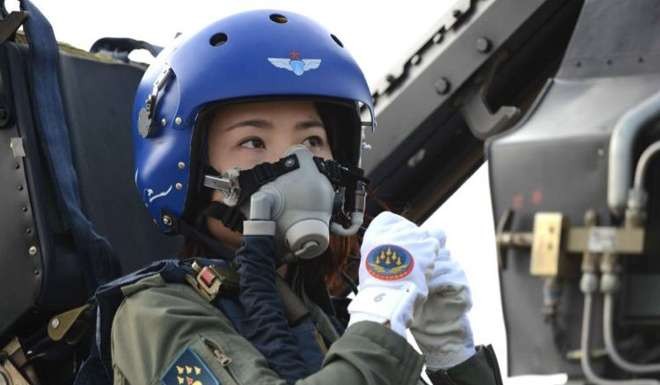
(41, 267)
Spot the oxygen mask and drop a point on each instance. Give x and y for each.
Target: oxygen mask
(306, 197)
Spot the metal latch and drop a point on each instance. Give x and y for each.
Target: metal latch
(210, 281)
(227, 184)
(553, 238)
(16, 145)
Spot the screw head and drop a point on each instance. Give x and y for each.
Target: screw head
(55, 323)
(289, 162)
(32, 250)
(178, 186)
(442, 86)
(163, 122)
(178, 120)
(167, 220)
(483, 45)
(415, 60)
(181, 165)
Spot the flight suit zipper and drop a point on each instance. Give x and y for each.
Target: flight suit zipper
(223, 359)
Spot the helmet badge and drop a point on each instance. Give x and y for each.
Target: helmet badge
(295, 64)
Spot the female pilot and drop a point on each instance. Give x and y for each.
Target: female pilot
(248, 136)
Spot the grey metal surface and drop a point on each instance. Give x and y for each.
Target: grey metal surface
(555, 161)
(20, 270)
(401, 109)
(487, 54)
(614, 38)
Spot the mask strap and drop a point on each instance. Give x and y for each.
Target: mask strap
(229, 216)
(238, 186)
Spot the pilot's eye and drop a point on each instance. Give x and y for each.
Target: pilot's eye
(253, 143)
(313, 141)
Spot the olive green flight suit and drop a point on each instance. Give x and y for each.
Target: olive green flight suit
(159, 321)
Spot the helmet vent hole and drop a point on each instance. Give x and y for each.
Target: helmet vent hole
(336, 39)
(280, 19)
(218, 39)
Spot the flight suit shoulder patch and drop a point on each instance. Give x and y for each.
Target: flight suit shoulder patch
(189, 369)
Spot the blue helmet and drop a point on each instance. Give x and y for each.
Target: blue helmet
(248, 56)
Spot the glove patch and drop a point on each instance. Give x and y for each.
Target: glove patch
(389, 262)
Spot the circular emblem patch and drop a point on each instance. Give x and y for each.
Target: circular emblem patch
(389, 262)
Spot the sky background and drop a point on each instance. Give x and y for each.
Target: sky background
(379, 35)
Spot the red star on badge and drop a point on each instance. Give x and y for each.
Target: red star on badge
(294, 55)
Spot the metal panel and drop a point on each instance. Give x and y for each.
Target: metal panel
(424, 86)
(492, 53)
(20, 264)
(555, 161)
(614, 38)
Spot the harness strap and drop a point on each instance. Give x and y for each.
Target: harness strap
(94, 251)
(10, 24)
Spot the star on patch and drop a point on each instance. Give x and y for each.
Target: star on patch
(295, 64)
(189, 369)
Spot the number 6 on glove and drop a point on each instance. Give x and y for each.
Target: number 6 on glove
(397, 257)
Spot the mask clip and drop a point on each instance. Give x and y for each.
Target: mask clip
(228, 184)
(346, 179)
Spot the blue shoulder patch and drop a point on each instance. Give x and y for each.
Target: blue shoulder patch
(189, 369)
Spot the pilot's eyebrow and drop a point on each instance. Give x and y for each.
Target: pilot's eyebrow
(309, 124)
(262, 123)
(259, 123)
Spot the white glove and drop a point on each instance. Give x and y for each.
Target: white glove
(396, 260)
(441, 327)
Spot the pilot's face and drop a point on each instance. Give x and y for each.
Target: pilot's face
(246, 134)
